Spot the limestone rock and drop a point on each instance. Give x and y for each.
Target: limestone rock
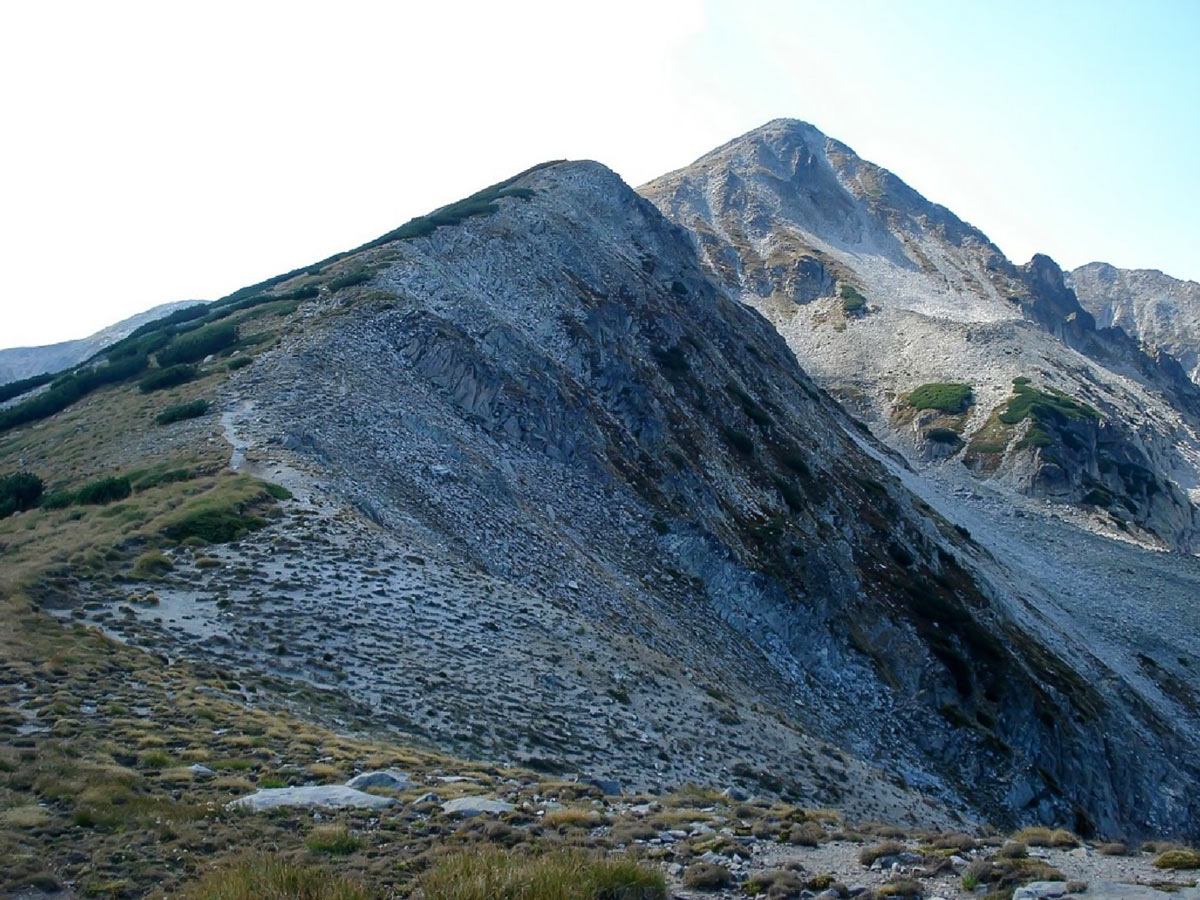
(330, 796)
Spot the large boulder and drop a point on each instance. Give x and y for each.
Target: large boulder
(327, 796)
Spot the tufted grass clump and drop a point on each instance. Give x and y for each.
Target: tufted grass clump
(152, 564)
(269, 878)
(565, 874)
(868, 855)
(333, 839)
(1040, 836)
(1178, 859)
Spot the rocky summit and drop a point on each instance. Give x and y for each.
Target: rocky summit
(574, 482)
(916, 321)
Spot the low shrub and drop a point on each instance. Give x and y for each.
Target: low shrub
(852, 300)
(213, 526)
(18, 492)
(349, 279)
(106, 490)
(239, 362)
(17, 388)
(182, 411)
(195, 345)
(170, 377)
(58, 500)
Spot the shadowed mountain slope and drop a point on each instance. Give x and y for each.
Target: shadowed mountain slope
(561, 501)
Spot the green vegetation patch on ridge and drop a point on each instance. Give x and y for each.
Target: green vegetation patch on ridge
(66, 389)
(852, 299)
(171, 376)
(181, 411)
(948, 397)
(194, 346)
(1050, 405)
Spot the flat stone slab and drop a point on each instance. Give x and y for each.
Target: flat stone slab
(329, 796)
(1101, 890)
(474, 806)
(391, 779)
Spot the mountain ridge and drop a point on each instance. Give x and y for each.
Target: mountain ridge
(910, 272)
(17, 363)
(526, 482)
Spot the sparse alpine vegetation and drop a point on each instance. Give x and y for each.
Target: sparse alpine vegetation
(946, 397)
(853, 301)
(1048, 411)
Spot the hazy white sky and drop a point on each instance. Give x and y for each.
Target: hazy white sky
(165, 151)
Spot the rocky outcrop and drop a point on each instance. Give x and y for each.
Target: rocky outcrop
(558, 396)
(942, 305)
(1161, 312)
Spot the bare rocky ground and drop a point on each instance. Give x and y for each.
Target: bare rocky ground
(463, 661)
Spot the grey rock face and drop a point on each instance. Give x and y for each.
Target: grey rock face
(788, 220)
(391, 779)
(628, 445)
(329, 796)
(1160, 311)
(476, 806)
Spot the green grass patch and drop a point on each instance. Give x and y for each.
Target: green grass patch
(948, 397)
(278, 491)
(225, 513)
(1048, 406)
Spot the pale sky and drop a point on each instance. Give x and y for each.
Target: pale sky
(159, 151)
